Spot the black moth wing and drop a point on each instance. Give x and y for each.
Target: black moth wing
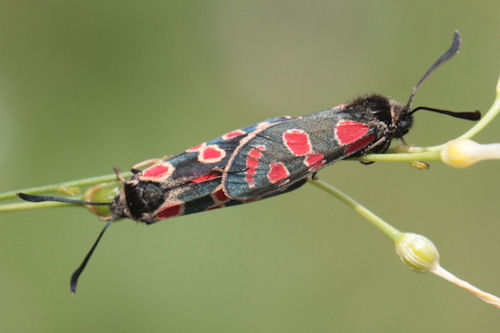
(266, 163)
(185, 183)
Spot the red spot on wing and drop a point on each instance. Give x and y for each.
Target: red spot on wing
(233, 134)
(340, 106)
(211, 154)
(171, 211)
(219, 196)
(208, 176)
(314, 161)
(250, 180)
(255, 153)
(277, 172)
(251, 171)
(350, 131)
(252, 163)
(297, 142)
(195, 148)
(155, 171)
(162, 170)
(352, 148)
(215, 207)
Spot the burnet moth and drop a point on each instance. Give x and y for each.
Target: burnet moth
(269, 158)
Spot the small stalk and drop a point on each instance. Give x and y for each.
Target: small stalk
(393, 233)
(415, 251)
(70, 184)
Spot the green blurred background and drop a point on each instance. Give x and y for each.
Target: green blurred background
(87, 85)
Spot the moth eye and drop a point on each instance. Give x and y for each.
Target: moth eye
(152, 195)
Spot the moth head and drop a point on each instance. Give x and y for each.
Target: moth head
(401, 120)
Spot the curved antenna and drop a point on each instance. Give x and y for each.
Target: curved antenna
(76, 274)
(474, 115)
(455, 45)
(42, 198)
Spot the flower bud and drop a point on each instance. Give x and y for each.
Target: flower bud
(420, 165)
(464, 153)
(104, 192)
(417, 252)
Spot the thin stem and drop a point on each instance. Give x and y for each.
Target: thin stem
(393, 233)
(54, 187)
(406, 157)
(483, 295)
(415, 154)
(29, 205)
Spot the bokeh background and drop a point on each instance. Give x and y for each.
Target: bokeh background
(87, 85)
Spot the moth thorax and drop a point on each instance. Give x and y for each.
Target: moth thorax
(142, 197)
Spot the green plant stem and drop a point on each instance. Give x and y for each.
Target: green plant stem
(393, 233)
(53, 188)
(415, 154)
(29, 205)
(406, 157)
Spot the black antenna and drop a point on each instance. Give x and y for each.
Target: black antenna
(42, 198)
(475, 115)
(455, 45)
(76, 274)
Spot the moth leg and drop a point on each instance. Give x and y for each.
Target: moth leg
(119, 174)
(314, 176)
(382, 149)
(151, 161)
(136, 167)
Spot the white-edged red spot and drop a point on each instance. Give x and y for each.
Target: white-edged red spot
(252, 163)
(255, 153)
(206, 177)
(196, 148)
(171, 211)
(211, 154)
(160, 170)
(250, 180)
(215, 207)
(219, 196)
(233, 134)
(277, 172)
(340, 106)
(349, 131)
(314, 161)
(352, 148)
(297, 141)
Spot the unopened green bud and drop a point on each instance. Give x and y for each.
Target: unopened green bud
(417, 252)
(104, 192)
